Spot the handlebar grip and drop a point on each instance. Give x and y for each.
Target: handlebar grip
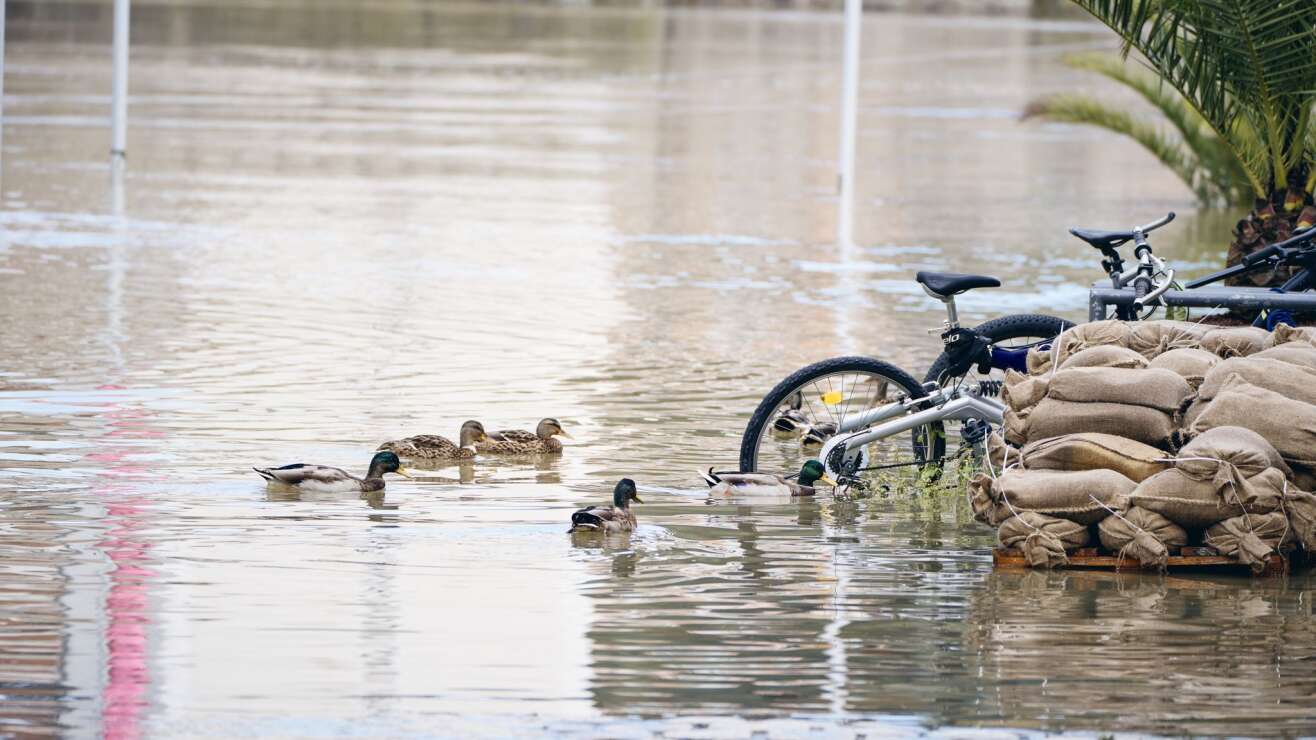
(1141, 285)
(1263, 255)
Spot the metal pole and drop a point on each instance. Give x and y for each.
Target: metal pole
(119, 113)
(3, 8)
(854, 15)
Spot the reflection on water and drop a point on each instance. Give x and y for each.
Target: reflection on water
(341, 224)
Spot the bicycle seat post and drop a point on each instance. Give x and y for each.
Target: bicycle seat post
(952, 316)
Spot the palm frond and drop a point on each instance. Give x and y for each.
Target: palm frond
(1169, 149)
(1217, 162)
(1231, 60)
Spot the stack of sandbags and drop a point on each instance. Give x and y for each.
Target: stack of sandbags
(1229, 482)
(1118, 398)
(1076, 339)
(1045, 513)
(1137, 403)
(1269, 397)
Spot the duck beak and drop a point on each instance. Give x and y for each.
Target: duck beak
(404, 473)
(563, 432)
(637, 499)
(828, 481)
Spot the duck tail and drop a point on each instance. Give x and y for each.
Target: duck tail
(710, 477)
(266, 474)
(585, 521)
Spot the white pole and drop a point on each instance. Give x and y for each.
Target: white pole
(854, 15)
(119, 114)
(2, 77)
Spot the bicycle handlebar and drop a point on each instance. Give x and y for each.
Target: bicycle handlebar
(1158, 223)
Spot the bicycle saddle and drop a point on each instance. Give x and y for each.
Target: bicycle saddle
(1102, 239)
(946, 284)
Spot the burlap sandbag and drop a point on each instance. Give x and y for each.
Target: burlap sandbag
(1152, 338)
(1288, 425)
(1157, 389)
(1214, 452)
(1022, 392)
(1108, 355)
(1250, 538)
(1187, 502)
(1189, 363)
(1094, 451)
(1038, 359)
(1015, 428)
(1289, 380)
(1000, 453)
(1095, 334)
(983, 503)
(1193, 411)
(1068, 495)
(1143, 535)
(1301, 509)
(1304, 477)
(1042, 539)
(1055, 418)
(1235, 341)
(1285, 333)
(1294, 353)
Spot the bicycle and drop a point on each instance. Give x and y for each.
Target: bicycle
(835, 404)
(1153, 284)
(866, 406)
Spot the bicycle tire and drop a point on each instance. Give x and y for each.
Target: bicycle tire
(1017, 326)
(757, 426)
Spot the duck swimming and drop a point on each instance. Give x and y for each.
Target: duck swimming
(335, 480)
(435, 447)
(768, 484)
(522, 442)
(609, 519)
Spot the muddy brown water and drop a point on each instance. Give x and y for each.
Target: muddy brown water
(342, 223)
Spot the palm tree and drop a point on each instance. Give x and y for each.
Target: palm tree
(1235, 82)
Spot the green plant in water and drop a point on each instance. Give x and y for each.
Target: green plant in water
(1235, 83)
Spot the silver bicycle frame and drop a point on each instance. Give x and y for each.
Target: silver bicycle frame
(959, 406)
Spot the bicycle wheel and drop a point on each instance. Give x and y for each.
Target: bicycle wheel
(1018, 332)
(784, 431)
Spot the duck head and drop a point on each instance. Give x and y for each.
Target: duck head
(386, 462)
(624, 494)
(549, 428)
(813, 472)
(472, 433)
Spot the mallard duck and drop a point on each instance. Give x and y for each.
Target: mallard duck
(817, 434)
(335, 480)
(522, 442)
(435, 447)
(609, 519)
(790, 423)
(766, 483)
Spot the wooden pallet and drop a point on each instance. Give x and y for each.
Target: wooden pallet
(1187, 558)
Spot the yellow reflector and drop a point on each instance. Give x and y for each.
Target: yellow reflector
(833, 398)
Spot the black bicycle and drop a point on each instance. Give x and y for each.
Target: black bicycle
(1137, 292)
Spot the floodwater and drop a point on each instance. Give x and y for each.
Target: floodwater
(341, 223)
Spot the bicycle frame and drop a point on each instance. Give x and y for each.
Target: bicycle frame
(953, 405)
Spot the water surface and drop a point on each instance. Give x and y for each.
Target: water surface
(341, 224)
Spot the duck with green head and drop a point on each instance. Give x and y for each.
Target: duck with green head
(609, 519)
(436, 447)
(335, 480)
(763, 484)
